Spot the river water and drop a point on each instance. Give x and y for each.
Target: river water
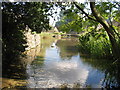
(59, 64)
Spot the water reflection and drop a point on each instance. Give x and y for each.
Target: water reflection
(58, 63)
(14, 69)
(110, 69)
(62, 64)
(68, 47)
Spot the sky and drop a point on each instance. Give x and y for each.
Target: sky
(54, 19)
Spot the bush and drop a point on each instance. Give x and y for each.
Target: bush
(95, 45)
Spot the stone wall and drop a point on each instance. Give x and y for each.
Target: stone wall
(31, 55)
(33, 40)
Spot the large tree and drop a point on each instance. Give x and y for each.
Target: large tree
(108, 27)
(103, 13)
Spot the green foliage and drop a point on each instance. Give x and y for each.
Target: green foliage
(71, 22)
(15, 17)
(109, 10)
(95, 44)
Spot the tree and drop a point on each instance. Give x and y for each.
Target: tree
(70, 22)
(15, 17)
(108, 27)
(98, 15)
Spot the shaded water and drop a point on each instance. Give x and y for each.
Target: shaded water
(60, 64)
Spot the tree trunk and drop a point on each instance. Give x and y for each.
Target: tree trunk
(107, 28)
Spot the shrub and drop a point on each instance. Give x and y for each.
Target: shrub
(95, 45)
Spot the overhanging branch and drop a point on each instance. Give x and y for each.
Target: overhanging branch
(84, 12)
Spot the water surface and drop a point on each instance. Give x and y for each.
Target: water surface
(60, 63)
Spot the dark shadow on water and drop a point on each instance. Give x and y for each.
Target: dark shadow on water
(14, 68)
(110, 68)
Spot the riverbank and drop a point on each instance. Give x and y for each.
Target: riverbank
(12, 83)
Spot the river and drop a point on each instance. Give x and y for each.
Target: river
(59, 63)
